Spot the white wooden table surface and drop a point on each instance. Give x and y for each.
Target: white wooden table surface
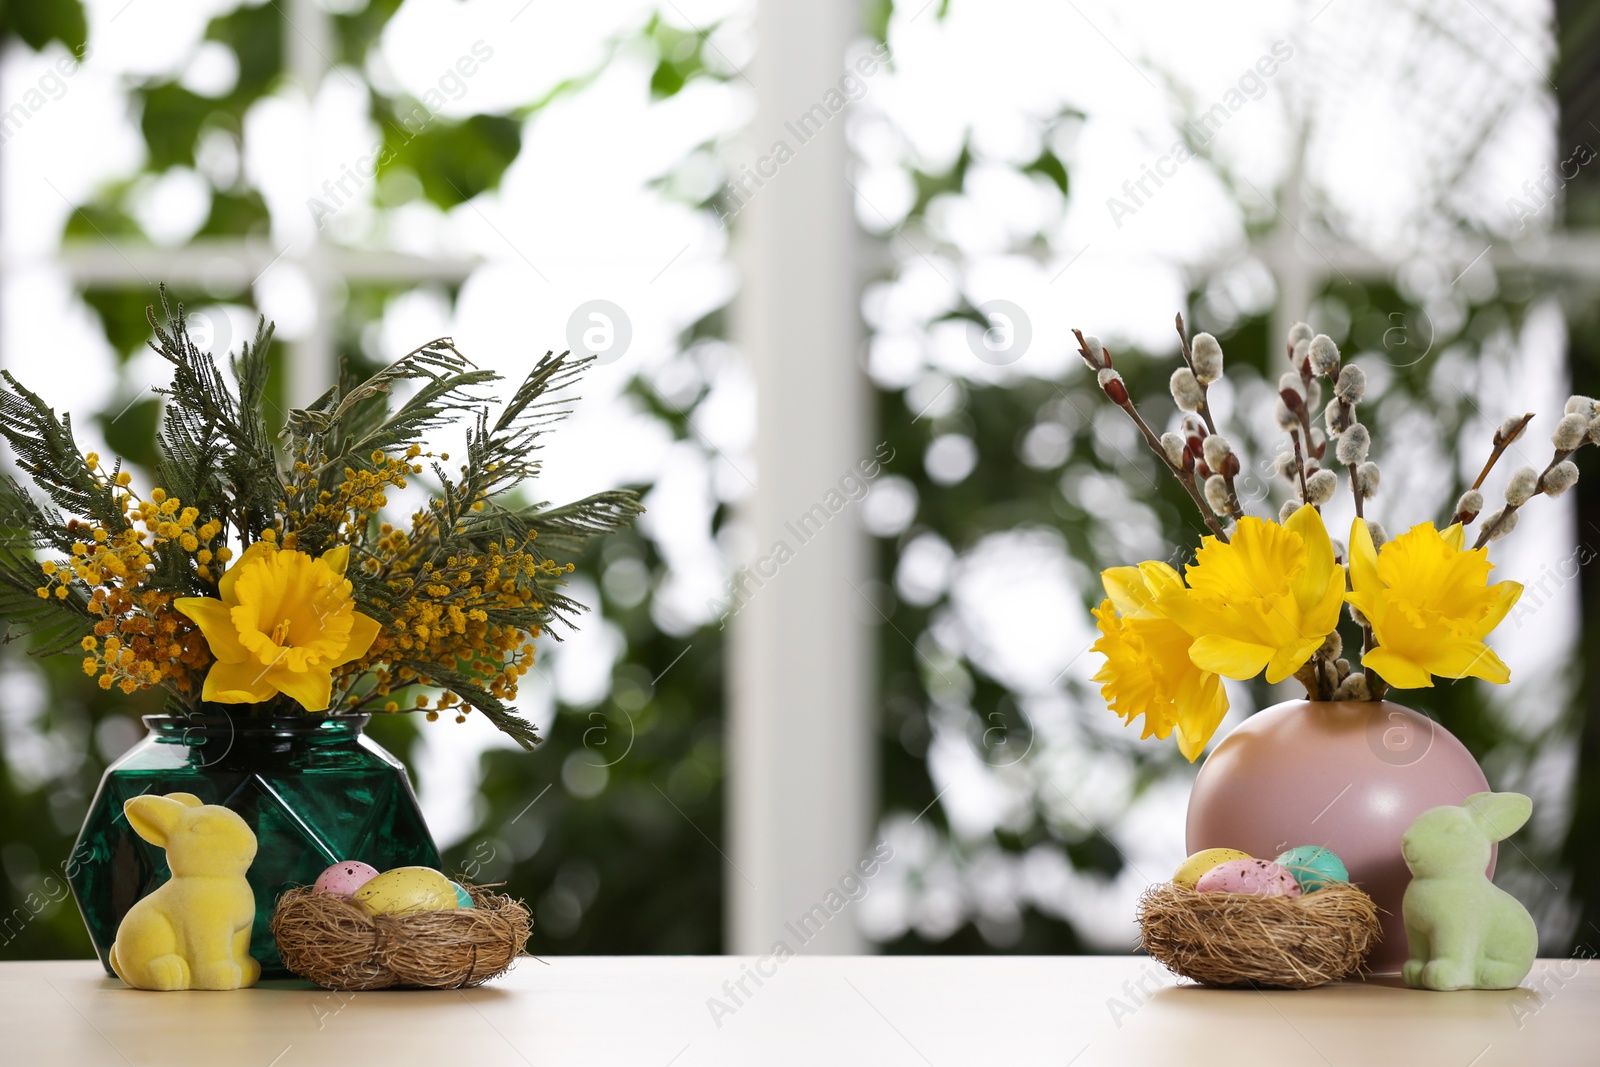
(881, 1011)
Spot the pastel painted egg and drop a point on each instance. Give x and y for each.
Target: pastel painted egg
(1249, 876)
(405, 890)
(463, 898)
(1314, 867)
(1190, 870)
(345, 878)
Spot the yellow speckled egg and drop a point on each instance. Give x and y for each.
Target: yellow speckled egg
(407, 889)
(1190, 870)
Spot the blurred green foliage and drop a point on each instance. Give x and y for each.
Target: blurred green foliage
(172, 117)
(105, 221)
(37, 24)
(611, 829)
(680, 56)
(615, 818)
(455, 161)
(238, 213)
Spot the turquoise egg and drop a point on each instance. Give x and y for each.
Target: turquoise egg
(1314, 867)
(463, 898)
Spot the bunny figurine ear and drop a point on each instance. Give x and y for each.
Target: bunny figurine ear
(154, 818)
(1498, 815)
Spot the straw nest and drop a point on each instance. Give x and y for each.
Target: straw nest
(1247, 939)
(331, 940)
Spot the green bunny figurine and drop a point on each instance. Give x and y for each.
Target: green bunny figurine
(1464, 931)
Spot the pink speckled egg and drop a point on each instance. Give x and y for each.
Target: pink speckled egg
(345, 878)
(1249, 876)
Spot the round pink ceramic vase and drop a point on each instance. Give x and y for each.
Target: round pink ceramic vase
(1349, 776)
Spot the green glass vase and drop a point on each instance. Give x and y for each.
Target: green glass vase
(314, 789)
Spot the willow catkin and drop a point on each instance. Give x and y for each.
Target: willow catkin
(1559, 479)
(1569, 432)
(1207, 356)
(1185, 390)
(1523, 484)
(1353, 444)
(1320, 487)
(1174, 446)
(1324, 355)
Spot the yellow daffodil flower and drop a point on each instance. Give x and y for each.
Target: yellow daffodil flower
(1430, 606)
(1147, 670)
(1265, 600)
(284, 621)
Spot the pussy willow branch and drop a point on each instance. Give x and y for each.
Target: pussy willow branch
(1234, 507)
(1376, 686)
(1303, 416)
(1188, 359)
(1486, 534)
(1501, 444)
(1369, 641)
(1500, 449)
(1317, 675)
(1347, 418)
(1300, 466)
(1305, 406)
(1185, 478)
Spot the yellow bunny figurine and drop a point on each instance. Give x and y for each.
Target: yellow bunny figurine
(194, 931)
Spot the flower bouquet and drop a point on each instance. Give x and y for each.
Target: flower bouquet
(1266, 595)
(262, 570)
(262, 585)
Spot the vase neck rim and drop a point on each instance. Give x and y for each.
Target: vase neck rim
(211, 723)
